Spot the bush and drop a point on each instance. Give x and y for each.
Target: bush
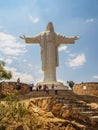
(12, 109)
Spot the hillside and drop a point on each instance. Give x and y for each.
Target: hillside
(40, 111)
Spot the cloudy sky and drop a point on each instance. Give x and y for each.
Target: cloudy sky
(77, 62)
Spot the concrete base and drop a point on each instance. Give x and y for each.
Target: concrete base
(59, 85)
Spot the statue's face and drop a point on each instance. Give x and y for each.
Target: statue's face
(50, 27)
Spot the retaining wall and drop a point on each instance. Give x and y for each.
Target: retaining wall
(88, 88)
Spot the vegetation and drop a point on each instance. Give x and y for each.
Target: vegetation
(71, 84)
(4, 74)
(14, 112)
(11, 108)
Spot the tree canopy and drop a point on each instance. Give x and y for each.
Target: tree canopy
(4, 74)
(71, 84)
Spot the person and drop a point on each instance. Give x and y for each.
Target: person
(47, 90)
(44, 87)
(52, 86)
(18, 80)
(31, 86)
(55, 90)
(18, 85)
(39, 87)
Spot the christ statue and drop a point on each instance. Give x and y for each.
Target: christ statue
(49, 42)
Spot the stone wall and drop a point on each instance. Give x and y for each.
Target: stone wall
(88, 88)
(10, 87)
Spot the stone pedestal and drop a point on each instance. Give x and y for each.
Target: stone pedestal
(59, 85)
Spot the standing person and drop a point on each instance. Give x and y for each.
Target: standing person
(39, 87)
(55, 90)
(52, 86)
(47, 90)
(31, 86)
(44, 87)
(18, 80)
(18, 86)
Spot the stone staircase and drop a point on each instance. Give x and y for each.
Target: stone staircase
(67, 97)
(84, 109)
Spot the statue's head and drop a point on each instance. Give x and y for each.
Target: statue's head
(50, 27)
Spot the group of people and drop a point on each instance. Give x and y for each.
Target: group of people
(39, 87)
(45, 88)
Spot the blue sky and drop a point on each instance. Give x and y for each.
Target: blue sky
(77, 62)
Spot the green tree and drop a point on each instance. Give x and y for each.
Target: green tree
(71, 84)
(4, 74)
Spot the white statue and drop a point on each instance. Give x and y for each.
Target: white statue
(49, 42)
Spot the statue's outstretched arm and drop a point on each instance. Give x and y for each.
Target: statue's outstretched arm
(35, 39)
(60, 39)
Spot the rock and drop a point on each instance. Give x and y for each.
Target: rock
(19, 128)
(49, 115)
(70, 127)
(56, 109)
(65, 111)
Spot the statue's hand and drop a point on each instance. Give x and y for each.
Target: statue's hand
(22, 37)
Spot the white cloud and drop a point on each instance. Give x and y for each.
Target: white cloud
(24, 60)
(30, 65)
(62, 48)
(91, 20)
(95, 77)
(1, 59)
(9, 46)
(8, 61)
(10, 51)
(77, 61)
(71, 55)
(34, 20)
(24, 77)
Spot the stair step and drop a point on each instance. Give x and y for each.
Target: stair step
(79, 107)
(94, 117)
(90, 113)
